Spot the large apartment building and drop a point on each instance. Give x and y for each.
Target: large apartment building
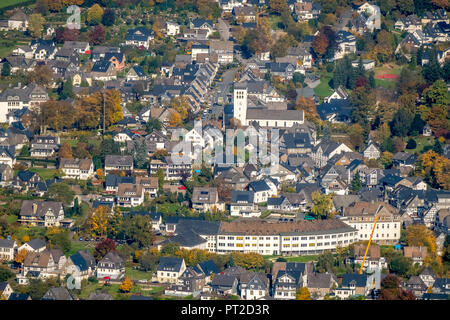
(282, 238)
(361, 216)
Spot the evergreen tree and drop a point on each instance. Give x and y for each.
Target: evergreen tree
(401, 122)
(140, 154)
(416, 125)
(411, 144)
(437, 147)
(372, 82)
(6, 69)
(356, 183)
(67, 90)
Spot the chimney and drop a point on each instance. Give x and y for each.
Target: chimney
(35, 207)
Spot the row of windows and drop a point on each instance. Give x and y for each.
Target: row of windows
(286, 238)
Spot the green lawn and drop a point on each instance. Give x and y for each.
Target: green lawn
(71, 142)
(274, 20)
(323, 89)
(11, 219)
(114, 290)
(7, 3)
(77, 246)
(45, 173)
(421, 142)
(137, 275)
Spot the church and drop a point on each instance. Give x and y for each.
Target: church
(267, 116)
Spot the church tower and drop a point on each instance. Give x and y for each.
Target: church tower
(240, 102)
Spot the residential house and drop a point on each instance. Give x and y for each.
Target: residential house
(44, 146)
(306, 10)
(417, 254)
(81, 47)
(18, 21)
(338, 94)
(373, 260)
(139, 37)
(111, 267)
(224, 284)
(5, 290)
(325, 150)
(200, 24)
(12, 99)
(223, 49)
(243, 204)
(372, 151)
(404, 159)
(190, 282)
(45, 264)
(206, 199)
(361, 216)
(136, 73)
(7, 157)
(244, 14)
(346, 43)
(118, 163)
(35, 245)
(288, 277)
(81, 265)
(41, 213)
(321, 284)
(261, 190)
(149, 184)
(104, 70)
(81, 169)
(57, 294)
(172, 170)
(172, 28)
(130, 195)
(170, 269)
(253, 285)
(7, 250)
(354, 285)
(416, 286)
(428, 276)
(116, 58)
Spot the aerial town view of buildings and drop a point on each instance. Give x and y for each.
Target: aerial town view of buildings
(224, 150)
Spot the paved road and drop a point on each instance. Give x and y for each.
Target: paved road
(227, 82)
(343, 20)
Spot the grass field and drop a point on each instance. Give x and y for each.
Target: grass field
(421, 142)
(137, 275)
(7, 3)
(45, 173)
(274, 20)
(71, 142)
(77, 246)
(387, 69)
(323, 89)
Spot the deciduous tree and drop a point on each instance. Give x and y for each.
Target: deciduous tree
(36, 24)
(95, 14)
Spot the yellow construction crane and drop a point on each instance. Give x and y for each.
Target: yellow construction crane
(368, 245)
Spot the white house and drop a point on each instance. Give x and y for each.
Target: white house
(372, 151)
(172, 28)
(7, 248)
(81, 169)
(170, 269)
(111, 266)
